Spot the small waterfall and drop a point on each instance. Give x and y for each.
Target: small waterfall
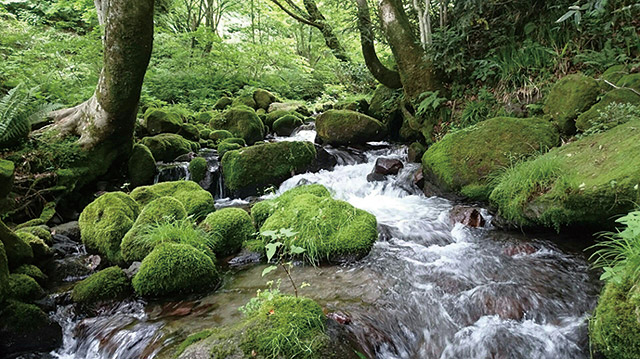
(172, 171)
(179, 170)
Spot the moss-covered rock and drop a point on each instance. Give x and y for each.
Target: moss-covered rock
(416, 151)
(289, 107)
(613, 74)
(225, 147)
(470, 156)
(285, 125)
(7, 169)
(615, 327)
(167, 146)
(220, 135)
(164, 209)
(142, 166)
(43, 232)
(26, 328)
(586, 182)
(106, 285)
(198, 169)
(588, 118)
(228, 228)
(343, 127)
(569, 97)
(242, 122)
(175, 269)
(24, 288)
(105, 221)
(32, 271)
(18, 251)
(39, 248)
(630, 81)
(223, 103)
(272, 117)
(196, 200)
(262, 210)
(257, 167)
(245, 100)
(161, 121)
(328, 229)
(263, 99)
(4, 274)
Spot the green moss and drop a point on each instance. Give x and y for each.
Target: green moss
(568, 98)
(235, 140)
(39, 248)
(173, 269)
(258, 167)
(586, 182)
(473, 155)
(193, 338)
(328, 229)
(167, 146)
(48, 211)
(24, 288)
(630, 81)
(41, 232)
(106, 285)
(343, 127)
(285, 125)
(254, 245)
(614, 328)
(18, 251)
(262, 210)
(134, 245)
(587, 119)
(242, 122)
(161, 121)
(190, 132)
(263, 99)
(229, 228)
(4, 274)
(7, 169)
(416, 151)
(196, 200)
(245, 101)
(22, 318)
(198, 168)
(205, 133)
(105, 221)
(613, 74)
(219, 135)
(33, 272)
(272, 117)
(142, 166)
(223, 103)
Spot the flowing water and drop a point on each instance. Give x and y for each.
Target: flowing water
(428, 289)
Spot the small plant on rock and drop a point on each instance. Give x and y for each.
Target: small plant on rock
(281, 243)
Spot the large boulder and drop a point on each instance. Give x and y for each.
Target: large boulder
(593, 116)
(223, 103)
(344, 127)
(7, 169)
(464, 161)
(285, 125)
(245, 100)
(329, 230)
(569, 97)
(24, 288)
(167, 146)
(228, 228)
(254, 168)
(242, 122)
(161, 121)
(197, 202)
(613, 74)
(106, 285)
(289, 107)
(263, 98)
(26, 328)
(175, 269)
(262, 210)
(105, 221)
(142, 166)
(272, 117)
(587, 182)
(17, 250)
(631, 81)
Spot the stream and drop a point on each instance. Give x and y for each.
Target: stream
(428, 289)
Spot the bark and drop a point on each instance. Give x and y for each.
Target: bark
(108, 117)
(381, 73)
(416, 71)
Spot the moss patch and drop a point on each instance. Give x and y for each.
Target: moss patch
(285, 125)
(167, 146)
(229, 228)
(587, 119)
(22, 318)
(33, 272)
(142, 166)
(568, 98)
(18, 251)
(24, 288)
(39, 248)
(344, 127)
(263, 210)
(242, 122)
(41, 232)
(198, 169)
(106, 285)
(7, 169)
(197, 202)
(161, 121)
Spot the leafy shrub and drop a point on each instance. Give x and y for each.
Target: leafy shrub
(614, 114)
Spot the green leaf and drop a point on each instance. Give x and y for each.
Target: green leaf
(297, 250)
(287, 232)
(270, 234)
(268, 270)
(271, 249)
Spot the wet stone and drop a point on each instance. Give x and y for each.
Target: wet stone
(468, 216)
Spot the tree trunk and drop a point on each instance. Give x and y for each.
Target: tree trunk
(416, 72)
(380, 72)
(109, 116)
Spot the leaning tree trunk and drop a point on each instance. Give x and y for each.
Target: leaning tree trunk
(107, 119)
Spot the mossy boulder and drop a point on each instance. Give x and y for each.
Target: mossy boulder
(39, 248)
(17, 250)
(26, 328)
(262, 210)
(106, 285)
(242, 122)
(229, 228)
(587, 182)
(272, 117)
(613, 74)
(43, 232)
(32, 271)
(159, 121)
(285, 125)
(142, 166)
(4, 274)
(175, 269)
(257, 167)
(329, 230)
(190, 132)
(220, 135)
(630, 81)
(105, 221)
(167, 146)
(621, 96)
(164, 209)
(614, 329)
(198, 168)
(289, 107)
(245, 100)
(223, 103)
(467, 158)
(569, 97)
(7, 168)
(225, 147)
(263, 99)
(416, 151)
(24, 288)
(197, 202)
(344, 127)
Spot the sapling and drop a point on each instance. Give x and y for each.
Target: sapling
(281, 243)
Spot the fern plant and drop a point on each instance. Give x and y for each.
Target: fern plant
(18, 112)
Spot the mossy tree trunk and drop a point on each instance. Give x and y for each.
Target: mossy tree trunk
(107, 119)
